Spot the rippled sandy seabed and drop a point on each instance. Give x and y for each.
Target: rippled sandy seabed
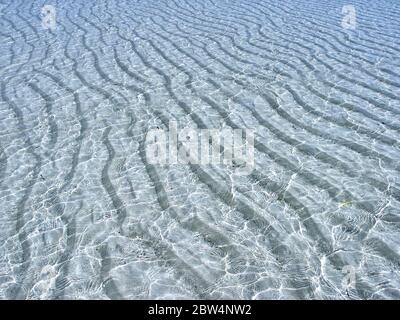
(84, 215)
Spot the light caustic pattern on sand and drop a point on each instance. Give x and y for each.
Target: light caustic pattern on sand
(84, 214)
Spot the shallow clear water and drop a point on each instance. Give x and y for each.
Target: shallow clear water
(83, 213)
